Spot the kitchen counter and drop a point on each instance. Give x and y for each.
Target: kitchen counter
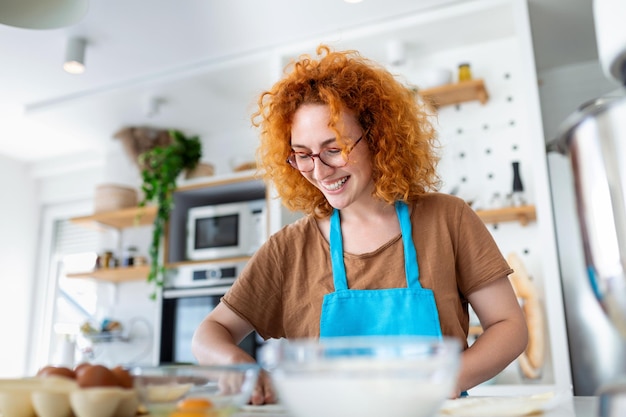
(570, 407)
(576, 407)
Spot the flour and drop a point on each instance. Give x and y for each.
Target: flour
(373, 396)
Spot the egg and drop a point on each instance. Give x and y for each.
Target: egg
(96, 376)
(181, 413)
(57, 371)
(81, 367)
(194, 404)
(125, 379)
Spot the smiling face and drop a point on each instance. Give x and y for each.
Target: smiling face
(311, 134)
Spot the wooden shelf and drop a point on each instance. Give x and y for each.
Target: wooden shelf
(523, 214)
(122, 274)
(456, 93)
(171, 265)
(120, 219)
(217, 181)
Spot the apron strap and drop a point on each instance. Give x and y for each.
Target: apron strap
(411, 268)
(336, 253)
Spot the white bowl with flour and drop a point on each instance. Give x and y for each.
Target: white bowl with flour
(399, 376)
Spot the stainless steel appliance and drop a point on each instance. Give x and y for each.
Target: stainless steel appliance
(190, 293)
(594, 140)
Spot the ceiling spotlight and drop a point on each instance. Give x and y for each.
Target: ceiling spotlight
(75, 56)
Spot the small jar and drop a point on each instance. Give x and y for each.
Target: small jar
(465, 72)
(128, 258)
(104, 261)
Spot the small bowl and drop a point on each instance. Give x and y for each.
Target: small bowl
(363, 376)
(163, 388)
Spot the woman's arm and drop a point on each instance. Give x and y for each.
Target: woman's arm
(215, 342)
(504, 337)
(216, 338)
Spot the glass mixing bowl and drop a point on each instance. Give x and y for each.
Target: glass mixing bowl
(399, 376)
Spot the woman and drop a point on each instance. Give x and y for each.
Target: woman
(345, 143)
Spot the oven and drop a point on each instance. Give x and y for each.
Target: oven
(189, 294)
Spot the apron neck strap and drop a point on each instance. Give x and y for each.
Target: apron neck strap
(336, 252)
(411, 268)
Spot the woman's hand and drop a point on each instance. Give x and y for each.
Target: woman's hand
(263, 393)
(215, 342)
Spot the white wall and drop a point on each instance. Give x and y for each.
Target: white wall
(18, 241)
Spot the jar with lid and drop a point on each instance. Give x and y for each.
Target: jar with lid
(465, 72)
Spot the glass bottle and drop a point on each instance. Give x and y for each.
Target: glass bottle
(518, 187)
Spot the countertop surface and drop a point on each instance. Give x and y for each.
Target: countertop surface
(566, 407)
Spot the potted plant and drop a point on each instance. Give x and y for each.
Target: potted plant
(160, 167)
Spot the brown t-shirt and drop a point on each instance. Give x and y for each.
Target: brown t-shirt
(280, 290)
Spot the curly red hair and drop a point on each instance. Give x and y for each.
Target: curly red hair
(398, 131)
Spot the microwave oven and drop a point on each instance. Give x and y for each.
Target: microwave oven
(226, 230)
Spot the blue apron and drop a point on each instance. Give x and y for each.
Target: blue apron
(382, 312)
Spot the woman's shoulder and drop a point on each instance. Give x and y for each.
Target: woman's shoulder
(440, 208)
(298, 226)
(303, 226)
(438, 201)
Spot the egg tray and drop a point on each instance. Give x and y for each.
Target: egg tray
(54, 396)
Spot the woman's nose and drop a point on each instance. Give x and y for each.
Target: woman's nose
(320, 169)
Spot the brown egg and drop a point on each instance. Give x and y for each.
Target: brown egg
(78, 369)
(80, 366)
(124, 377)
(96, 376)
(57, 371)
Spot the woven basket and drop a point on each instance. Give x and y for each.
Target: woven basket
(111, 197)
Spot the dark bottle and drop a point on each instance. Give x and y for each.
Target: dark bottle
(518, 187)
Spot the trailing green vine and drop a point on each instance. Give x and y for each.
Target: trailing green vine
(161, 167)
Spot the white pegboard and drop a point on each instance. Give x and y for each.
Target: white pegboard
(479, 143)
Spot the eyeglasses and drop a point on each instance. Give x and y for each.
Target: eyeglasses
(332, 157)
